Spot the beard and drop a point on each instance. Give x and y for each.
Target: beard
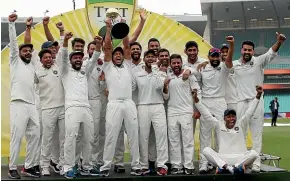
(215, 63)
(176, 70)
(76, 67)
(135, 56)
(25, 59)
(247, 57)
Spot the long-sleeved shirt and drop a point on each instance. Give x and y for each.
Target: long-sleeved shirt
(231, 87)
(95, 87)
(22, 75)
(249, 75)
(180, 94)
(149, 87)
(231, 141)
(119, 80)
(75, 82)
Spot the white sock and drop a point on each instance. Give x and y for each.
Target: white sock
(230, 169)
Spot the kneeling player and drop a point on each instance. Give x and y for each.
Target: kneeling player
(232, 156)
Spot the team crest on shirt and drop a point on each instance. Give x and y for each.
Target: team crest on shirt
(54, 72)
(252, 63)
(236, 128)
(143, 66)
(83, 72)
(99, 69)
(219, 68)
(232, 71)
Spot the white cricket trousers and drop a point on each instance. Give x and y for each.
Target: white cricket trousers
(152, 115)
(216, 106)
(181, 139)
(24, 120)
(52, 118)
(55, 148)
(78, 118)
(38, 153)
(236, 160)
(118, 112)
(232, 106)
(255, 124)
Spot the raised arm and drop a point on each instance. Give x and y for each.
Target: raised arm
(27, 34)
(60, 27)
(64, 65)
(165, 89)
(138, 31)
(272, 53)
(14, 51)
(108, 47)
(47, 32)
(127, 50)
(92, 63)
(252, 109)
(229, 59)
(202, 109)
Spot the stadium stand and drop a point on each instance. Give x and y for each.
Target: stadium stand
(283, 98)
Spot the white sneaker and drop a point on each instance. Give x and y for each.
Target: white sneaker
(203, 168)
(61, 171)
(45, 171)
(256, 169)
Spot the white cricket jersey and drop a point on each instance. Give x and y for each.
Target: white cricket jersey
(22, 75)
(51, 91)
(136, 68)
(180, 96)
(94, 83)
(76, 82)
(231, 87)
(119, 80)
(149, 86)
(249, 75)
(213, 80)
(231, 141)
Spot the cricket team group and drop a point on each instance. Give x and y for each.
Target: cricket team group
(75, 107)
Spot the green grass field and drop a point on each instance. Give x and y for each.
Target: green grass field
(276, 141)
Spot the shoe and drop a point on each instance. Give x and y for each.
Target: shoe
(84, 172)
(13, 174)
(94, 172)
(256, 169)
(189, 171)
(203, 169)
(105, 173)
(45, 171)
(210, 167)
(76, 169)
(37, 169)
(119, 169)
(239, 169)
(169, 166)
(152, 166)
(161, 171)
(145, 171)
(30, 172)
(224, 171)
(70, 174)
(54, 166)
(175, 171)
(61, 171)
(136, 172)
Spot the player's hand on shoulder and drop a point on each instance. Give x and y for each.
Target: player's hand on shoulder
(186, 74)
(202, 66)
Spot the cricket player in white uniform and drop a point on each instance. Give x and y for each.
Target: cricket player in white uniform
(120, 108)
(77, 108)
(232, 155)
(212, 80)
(24, 118)
(178, 88)
(149, 85)
(249, 72)
(51, 95)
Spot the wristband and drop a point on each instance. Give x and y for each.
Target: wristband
(61, 30)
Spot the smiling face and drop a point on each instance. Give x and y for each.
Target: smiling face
(247, 52)
(191, 53)
(47, 60)
(230, 121)
(26, 54)
(154, 45)
(118, 58)
(149, 59)
(163, 58)
(76, 61)
(176, 65)
(53, 50)
(135, 52)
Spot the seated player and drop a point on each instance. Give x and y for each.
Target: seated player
(232, 156)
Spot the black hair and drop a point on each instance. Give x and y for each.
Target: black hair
(177, 56)
(248, 42)
(191, 44)
(152, 40)
(136, 43)
(91, 43)
(42, 52)
(80, 40)
(163, 50)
